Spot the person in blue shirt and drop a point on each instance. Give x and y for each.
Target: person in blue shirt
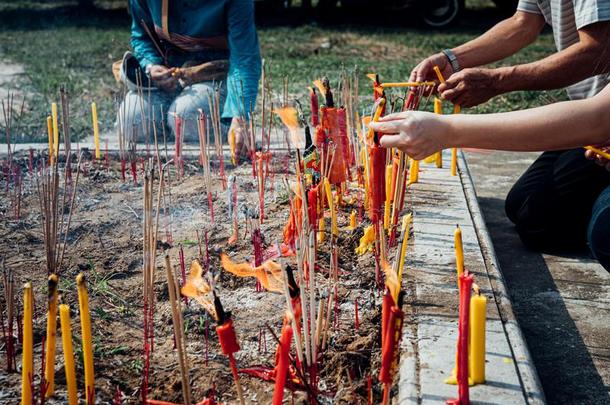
(166, 37)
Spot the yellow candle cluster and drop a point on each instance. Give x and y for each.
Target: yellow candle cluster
(414, 171)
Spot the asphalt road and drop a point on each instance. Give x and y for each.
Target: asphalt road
(561, 303)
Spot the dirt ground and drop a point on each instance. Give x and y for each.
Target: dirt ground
(105, 243)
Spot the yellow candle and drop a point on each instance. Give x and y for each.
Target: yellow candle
(85, 322)
(352, 220)
(27, 362)
(478, 309)
(406, 226)
(388, 192)
(49, 362)
(96, 131)
(456, 110)
(321, 230)
(50, 134)
(66, 339)
(55, 129)
(459, 251)
(414, 171)
(438, 109)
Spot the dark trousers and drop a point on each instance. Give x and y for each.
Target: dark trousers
(552, 204)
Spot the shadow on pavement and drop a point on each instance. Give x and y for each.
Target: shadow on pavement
(563, 362)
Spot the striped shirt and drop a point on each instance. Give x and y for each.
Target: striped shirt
(567, 17)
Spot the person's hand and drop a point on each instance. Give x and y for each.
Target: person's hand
(419, 134)
(600, 160)
(238, 127)
(470, 87)
(163, 78)
(424, 71)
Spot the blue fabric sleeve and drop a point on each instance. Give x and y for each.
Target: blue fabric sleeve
(244, 59)
(143, 48)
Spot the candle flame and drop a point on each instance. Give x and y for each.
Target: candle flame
(290, 118)
(269, 274)
(199, 289)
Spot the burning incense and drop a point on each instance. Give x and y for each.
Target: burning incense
(66, 339)
(85, 322)
(27, 363)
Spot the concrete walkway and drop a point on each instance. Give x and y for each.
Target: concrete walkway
(439, 202)
(561, 303)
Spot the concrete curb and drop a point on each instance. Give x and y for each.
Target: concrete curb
(532, 389)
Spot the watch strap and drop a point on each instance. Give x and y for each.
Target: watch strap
(452, 59)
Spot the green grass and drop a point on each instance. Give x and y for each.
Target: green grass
(59, 44)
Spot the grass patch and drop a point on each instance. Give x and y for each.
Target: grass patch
(60, 44)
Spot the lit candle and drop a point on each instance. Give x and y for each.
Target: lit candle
(49, 371)
(66, 339)
(456, 110)
(414, 171)
(478, 309)
(50, 134)
(55, 129)
(459, 251)
(27, 362)
(85, 324)
(96, 131)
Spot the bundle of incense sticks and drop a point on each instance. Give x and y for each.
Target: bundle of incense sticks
(53, 204)
(214, 103)
(204, 157)
(150, 230)
(121, 129)
(9, 299)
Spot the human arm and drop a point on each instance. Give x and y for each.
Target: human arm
(553, 127)
(244, 60)
(244, 69)
(143, 48)
(584, 59)
(513, 33)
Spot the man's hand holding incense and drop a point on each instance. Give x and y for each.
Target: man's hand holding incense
(419, 134)
(470, 87)
(163, 78)
(424, 71)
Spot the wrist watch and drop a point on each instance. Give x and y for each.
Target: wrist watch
(452, 60)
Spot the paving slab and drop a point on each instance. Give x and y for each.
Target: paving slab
(439, 201)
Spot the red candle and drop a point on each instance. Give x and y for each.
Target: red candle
(283, 363)
(466, 280)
